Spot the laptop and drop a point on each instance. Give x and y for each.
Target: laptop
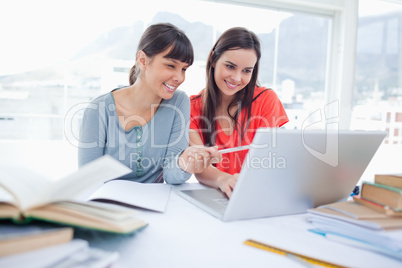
(289, 171)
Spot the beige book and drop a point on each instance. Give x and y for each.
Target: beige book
(394, 180)
(31, 239)
(25, 196)
(352, 212)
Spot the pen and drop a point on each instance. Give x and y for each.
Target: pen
(234, 149)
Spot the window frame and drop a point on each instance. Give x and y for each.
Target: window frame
(340, 73)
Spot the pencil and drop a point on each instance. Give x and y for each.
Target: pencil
(234, 149)
(287, 253)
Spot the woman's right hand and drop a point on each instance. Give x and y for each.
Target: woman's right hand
(227, 182)
(197, 158)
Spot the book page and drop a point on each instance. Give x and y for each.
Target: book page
(6, 197)
(153, 196)
(84, 181)
(115, 214)
(23, 184)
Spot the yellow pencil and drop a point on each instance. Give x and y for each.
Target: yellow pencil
(283, 252)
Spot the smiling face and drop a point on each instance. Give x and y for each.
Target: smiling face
(163, 75)
(233, 70)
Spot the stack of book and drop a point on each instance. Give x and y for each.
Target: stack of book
(90, 198)
(372, 220)
(48, 246)
(384, 195)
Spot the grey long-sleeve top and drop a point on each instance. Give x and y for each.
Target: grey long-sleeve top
(147, 150)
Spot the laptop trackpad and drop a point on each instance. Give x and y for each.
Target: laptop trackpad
(211, 198)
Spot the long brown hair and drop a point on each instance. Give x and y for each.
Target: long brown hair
(157, 38)
(232, 39)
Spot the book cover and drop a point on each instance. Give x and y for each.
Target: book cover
(19, 239)
(386, 210)
(382, 194)
(394, 180)
(76, 253)
(359, 215)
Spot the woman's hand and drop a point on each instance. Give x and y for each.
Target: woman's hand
(196, 158)
(227, 182)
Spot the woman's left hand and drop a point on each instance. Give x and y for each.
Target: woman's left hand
(196, 158)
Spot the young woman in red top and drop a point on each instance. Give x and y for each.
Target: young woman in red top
(232, 106)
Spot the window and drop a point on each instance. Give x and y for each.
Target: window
(64, 58)
(377, 103)
(63, 54)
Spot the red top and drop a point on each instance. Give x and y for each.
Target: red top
(266, 111)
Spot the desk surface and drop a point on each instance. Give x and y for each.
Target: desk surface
(185, 236)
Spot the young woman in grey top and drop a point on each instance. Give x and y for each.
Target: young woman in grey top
(146, 125)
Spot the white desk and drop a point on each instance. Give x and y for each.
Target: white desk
(185, 236)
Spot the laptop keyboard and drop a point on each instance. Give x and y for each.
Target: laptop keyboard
(222, 201)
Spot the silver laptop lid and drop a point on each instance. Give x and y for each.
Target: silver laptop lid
(288, 171)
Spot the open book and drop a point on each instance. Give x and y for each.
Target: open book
(25, 195)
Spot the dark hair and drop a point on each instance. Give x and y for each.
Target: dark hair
(159, 37)
(232, 39)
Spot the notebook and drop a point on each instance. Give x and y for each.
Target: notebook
(288, 171)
